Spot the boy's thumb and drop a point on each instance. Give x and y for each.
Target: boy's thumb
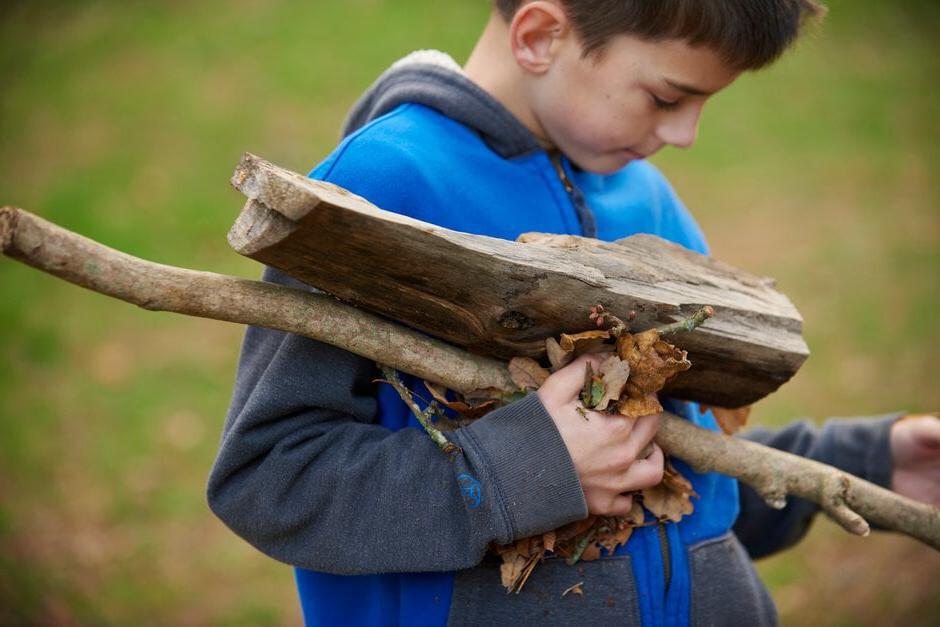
(569, 381)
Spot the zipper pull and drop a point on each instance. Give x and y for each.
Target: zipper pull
(560, 169)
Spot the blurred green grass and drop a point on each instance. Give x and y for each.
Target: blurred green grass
(123, 121)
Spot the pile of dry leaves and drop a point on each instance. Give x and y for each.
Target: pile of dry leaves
(636, 368)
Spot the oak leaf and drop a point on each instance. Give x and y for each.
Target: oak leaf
(652, 363)
(526, 373)
(671, 499)
(570, 345)
(620, 528)
(614, 374)
(585, 342)
(548, 540)
(466, 410)
(557, 356)
(730, 420)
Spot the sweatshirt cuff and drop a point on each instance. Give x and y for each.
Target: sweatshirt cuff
(530, 466)
(861, 446)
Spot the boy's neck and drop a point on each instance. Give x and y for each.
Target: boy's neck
(491, 66)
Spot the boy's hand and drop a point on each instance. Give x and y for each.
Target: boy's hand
(604, 447)
(915, 446)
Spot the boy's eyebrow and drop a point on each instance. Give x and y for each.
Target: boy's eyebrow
(695, 91)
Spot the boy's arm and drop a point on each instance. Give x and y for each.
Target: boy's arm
(306, 476)
(860, 446)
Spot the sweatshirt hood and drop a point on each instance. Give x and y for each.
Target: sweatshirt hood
(432, 78)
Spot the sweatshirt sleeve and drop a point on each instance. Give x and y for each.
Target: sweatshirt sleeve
(859, 446)
(306, 475)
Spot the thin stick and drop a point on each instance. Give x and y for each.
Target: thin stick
(688, 324)
(774, 474)
(424, 417)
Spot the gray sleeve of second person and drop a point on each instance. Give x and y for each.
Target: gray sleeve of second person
(306, 475)
(860, 446)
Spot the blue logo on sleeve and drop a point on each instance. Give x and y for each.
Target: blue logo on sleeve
(471, 490)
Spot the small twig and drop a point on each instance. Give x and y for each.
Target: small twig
(423, 416)
(533, 561)
(688, 324)
(576, 589)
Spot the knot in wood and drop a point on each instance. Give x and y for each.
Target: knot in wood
(515, 320)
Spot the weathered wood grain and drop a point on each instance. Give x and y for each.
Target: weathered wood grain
(504, 298)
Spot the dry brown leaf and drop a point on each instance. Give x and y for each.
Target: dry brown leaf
(563, 351)
(557, 356)
(591, 553)
(586, 342)
(671, 499)
(483, 395)
(644, 406)
(526, 373)
(467, 411)
(439, 392)
(616, 538)
(620, 528)
(575, 529)
(512, 568)
(614, 374)
(516, 569)
(637, 516)
(730, 420)
(652, 363)
(548, 540)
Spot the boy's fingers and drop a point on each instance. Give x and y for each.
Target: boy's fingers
(643, 432)
(621, 505)
(644, 473)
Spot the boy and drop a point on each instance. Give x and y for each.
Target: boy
(544, 129)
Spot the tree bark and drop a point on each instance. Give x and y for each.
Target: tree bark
(504, 298)
(774, 474)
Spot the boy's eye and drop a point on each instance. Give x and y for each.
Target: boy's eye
(664, 104)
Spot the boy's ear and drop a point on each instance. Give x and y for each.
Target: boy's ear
(534, 32)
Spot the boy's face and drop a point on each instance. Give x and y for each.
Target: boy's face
(638, 96)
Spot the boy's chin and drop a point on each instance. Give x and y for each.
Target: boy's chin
(608, 163)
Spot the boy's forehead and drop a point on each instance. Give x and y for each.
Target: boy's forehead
(696, 70)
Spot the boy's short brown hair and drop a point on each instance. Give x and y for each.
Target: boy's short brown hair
(746, 34)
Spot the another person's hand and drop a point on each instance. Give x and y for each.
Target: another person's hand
(604, 447)
(915, 447)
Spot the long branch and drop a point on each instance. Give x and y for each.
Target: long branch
(774, 474)
(157, 287)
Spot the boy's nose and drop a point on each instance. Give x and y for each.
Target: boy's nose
(681, 129)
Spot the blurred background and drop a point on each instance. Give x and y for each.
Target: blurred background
(124, 120)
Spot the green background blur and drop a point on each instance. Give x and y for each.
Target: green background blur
(124, 120)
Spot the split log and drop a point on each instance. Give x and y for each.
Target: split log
(157, 287)
(503, 298)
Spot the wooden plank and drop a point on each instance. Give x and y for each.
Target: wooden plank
(504, 298)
